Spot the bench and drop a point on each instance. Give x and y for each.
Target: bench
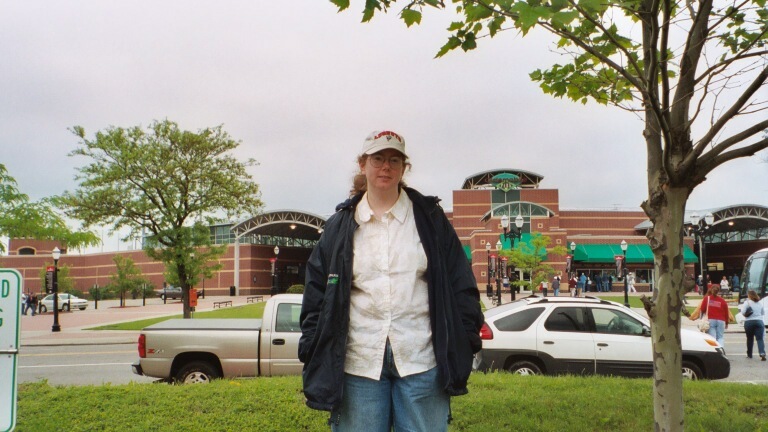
(221, 304)
(256, 298)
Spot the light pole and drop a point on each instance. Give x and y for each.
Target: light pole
(515, 232)
(624, 272)
(512, 233)
(274, 270)
(498, 272)
(569, 268)
(699, 227)
(56, 253)
(488, 289)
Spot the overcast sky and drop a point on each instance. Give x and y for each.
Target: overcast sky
(300, 86)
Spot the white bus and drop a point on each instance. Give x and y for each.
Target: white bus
(755, 275)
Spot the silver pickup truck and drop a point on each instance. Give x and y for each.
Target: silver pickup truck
(199, 350)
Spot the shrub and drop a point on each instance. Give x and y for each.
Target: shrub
(296, 289)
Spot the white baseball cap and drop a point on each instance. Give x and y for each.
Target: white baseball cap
(382, 140)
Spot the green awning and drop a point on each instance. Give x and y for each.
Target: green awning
(636, 253)
(468, 252)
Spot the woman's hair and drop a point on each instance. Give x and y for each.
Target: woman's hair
(714, 290)
(359, 183)
(753, 296)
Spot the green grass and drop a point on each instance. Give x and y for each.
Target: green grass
(496, 402)
(255, 310)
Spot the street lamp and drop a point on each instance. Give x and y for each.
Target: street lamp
(56, 253)
(498, 272)
(512, 233)
(488, 289)
(624, 272)
(699, 227)
(274, 270)
(515, 232)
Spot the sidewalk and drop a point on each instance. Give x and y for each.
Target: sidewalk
(36, 330)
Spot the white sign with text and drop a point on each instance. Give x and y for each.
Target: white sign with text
(10, 326)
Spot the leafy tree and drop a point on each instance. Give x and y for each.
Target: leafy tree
(127, 277)
(168, 183)
(694, 71)
(527, 256)
(22, 218)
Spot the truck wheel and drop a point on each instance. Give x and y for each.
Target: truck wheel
(197, 372)
(691, 371)
(524, 368)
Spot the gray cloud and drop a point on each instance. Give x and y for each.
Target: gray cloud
(301, 86)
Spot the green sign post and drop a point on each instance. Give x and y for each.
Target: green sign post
(10, 327)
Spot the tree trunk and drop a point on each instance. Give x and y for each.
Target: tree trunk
(664, 310)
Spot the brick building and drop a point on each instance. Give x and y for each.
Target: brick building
(478, 207)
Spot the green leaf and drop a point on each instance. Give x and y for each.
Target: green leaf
(475, 12)
(411, 17)
(594, 6)
(453, 43)
(342, 4)
(495, 25)
(370, 9)
(469, 42)
(456, 25)
(564, 18)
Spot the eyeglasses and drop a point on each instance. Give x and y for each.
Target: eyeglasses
(377, 161)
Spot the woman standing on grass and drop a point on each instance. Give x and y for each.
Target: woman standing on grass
(754, 325)
(391, 312)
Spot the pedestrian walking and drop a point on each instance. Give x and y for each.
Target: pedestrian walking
(754, 326)
(556, 286)
(33, 303)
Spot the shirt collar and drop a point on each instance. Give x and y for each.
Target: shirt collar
(399, 211)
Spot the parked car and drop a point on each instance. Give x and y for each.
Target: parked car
(584, 336)
(66, 302)
(170, 291)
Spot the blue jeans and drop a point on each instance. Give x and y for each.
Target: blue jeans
(716, 330)
(755, 329)
(412, 403)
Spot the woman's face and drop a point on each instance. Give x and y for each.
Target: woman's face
(383, 170)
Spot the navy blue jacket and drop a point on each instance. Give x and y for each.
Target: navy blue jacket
(454, 302)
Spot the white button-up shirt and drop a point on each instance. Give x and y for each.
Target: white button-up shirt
(389, 297)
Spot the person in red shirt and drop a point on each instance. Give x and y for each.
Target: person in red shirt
(717, 312)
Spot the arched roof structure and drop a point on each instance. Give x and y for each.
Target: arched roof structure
(282, 223)
(482, 180)
(739, 218)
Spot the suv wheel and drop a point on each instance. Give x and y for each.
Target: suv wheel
(691, 371)
(524, 367)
